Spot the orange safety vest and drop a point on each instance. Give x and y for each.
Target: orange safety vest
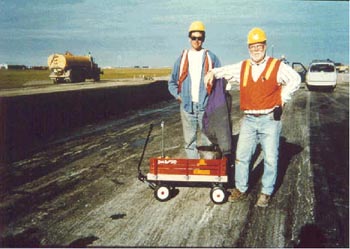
(265, 93)
(208, 65)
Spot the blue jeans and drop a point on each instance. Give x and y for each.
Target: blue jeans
(191, 122)
(266, 131)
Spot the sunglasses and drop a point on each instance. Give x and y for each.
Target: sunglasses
(197, 38)
(256, 47)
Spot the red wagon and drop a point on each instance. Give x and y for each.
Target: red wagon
(167, 173)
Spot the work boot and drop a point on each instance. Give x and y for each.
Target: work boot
(236, 195)
(263, 200)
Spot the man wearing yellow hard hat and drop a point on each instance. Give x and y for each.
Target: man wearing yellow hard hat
(266, 84)
(186, 84)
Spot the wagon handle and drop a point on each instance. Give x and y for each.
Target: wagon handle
(141, 176)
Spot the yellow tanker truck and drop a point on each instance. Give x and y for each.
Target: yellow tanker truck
(71, 68)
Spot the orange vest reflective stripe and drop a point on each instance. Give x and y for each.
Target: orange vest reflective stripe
(265, 92)
(183, 73)
(247, 69)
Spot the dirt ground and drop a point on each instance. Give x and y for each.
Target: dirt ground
(82, 189)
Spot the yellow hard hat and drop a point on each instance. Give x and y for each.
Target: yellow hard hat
(256, 35)
(197, 26)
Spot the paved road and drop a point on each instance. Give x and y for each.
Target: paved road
(82, 190)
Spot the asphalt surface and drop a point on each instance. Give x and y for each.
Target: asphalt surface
(82, 189)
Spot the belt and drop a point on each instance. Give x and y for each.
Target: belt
(258, 114)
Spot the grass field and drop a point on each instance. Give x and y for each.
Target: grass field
(18, 78)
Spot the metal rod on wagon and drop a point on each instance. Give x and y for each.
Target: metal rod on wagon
(162, 125)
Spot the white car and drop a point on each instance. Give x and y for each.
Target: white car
(321, 74)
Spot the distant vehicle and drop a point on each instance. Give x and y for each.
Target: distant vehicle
(71, 68)
(341, 68)
(300, 69)
(321, 74)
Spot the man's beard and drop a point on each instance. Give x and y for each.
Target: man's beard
(257, 56)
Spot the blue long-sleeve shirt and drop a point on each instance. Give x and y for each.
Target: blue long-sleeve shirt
(185, 93)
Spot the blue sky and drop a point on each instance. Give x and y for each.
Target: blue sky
(153, 32)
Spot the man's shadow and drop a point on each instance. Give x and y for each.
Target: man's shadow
(286, 152)
(231, 163)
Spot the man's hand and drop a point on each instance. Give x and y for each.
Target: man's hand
(209, 78)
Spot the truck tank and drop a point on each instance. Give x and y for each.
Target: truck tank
(72, 68)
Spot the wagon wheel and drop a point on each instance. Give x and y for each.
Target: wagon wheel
(162, 193)
(217, 195)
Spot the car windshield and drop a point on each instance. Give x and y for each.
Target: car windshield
(328, 68)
